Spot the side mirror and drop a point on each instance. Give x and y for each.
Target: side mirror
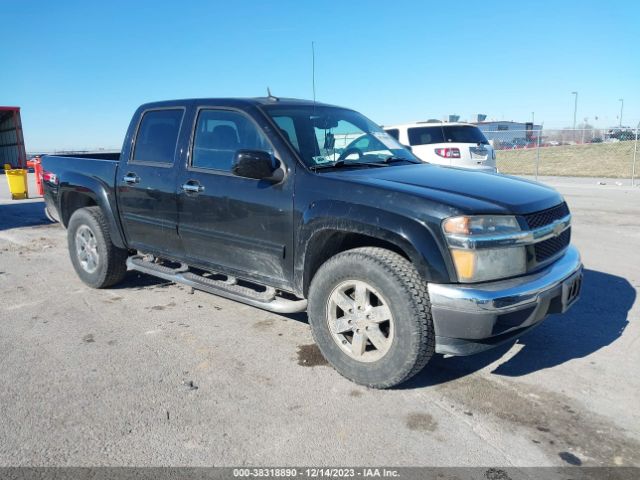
(408, 147)
(256, 164)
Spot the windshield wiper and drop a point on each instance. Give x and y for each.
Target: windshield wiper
(392, 159)
(343, 163)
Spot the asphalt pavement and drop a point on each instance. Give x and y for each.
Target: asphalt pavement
(150, 373)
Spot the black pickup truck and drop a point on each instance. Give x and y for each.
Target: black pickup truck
(292, 205)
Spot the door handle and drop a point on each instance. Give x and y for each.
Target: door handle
(192, 187)
(131, 178)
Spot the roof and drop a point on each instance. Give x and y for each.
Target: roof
(428, 124)
(237, 102)
(499, 121)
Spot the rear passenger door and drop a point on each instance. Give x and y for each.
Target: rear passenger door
(240, 226)
(146, 183)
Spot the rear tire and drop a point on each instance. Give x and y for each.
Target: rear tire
(96, 260)
(370, 316)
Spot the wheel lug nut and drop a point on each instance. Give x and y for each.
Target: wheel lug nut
(349, 322)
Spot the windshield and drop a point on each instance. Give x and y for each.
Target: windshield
(330, 135)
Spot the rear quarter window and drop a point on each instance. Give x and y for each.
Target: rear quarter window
(157, 136)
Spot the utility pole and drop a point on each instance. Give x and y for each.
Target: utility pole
(621, 100)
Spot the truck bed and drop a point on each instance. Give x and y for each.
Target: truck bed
(91, 155)
(97, 171)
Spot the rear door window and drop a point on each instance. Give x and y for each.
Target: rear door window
(157, 136)
(425, 135)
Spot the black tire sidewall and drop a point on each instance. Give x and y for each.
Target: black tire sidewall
(85, 217)
(405, 349)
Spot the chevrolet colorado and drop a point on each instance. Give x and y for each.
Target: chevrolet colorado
(250, 199)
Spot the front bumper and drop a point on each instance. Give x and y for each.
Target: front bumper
(471, 318)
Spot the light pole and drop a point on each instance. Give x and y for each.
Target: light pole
(635, 155)
(575, 109)
(621, 100)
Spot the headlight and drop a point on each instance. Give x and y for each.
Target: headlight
(475, 246)
(480, 225)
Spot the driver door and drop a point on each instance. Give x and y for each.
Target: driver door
(227, 223)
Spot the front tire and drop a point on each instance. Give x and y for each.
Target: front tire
(370, 316)
(96, 260)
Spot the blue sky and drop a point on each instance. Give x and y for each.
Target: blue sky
(79, 69)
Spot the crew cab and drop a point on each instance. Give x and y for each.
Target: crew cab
(453, 144)
(393, 259)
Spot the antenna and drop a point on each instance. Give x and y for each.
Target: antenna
(270, 96)
(313, 71)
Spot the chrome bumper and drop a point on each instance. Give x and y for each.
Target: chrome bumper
(471, 318)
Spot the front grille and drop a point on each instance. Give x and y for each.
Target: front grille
(548, 248)
(545, 217)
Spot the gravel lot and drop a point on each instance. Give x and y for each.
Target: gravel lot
(150, 374)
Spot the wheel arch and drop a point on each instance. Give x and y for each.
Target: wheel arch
(324, 236)
(76, 193)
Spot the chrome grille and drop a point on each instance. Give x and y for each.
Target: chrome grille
(548, 248)
(551, 247)
(545, 217)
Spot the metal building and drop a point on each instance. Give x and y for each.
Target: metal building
(12, 149)
(508, 130)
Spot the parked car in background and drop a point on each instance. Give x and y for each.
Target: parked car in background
(521, 142)
(452, 144)
(505, 145)
(626, 135)
(620, 134)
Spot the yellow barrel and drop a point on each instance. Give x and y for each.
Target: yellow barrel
(17, 179)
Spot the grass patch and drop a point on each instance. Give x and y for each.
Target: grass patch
(591, 160)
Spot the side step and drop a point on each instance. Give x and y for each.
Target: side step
(228, 288)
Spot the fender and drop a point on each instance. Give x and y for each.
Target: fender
(410, 235)
(99, 192)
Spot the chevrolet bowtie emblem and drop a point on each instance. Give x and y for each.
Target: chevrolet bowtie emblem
(557, 229)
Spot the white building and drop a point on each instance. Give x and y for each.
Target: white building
(508, 131)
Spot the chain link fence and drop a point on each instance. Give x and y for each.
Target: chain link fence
(591, 152)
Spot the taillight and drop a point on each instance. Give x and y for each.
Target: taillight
(50, 177)
(448, 152)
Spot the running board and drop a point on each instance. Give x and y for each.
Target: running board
(228, 288)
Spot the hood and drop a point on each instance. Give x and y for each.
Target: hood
(467, 190)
